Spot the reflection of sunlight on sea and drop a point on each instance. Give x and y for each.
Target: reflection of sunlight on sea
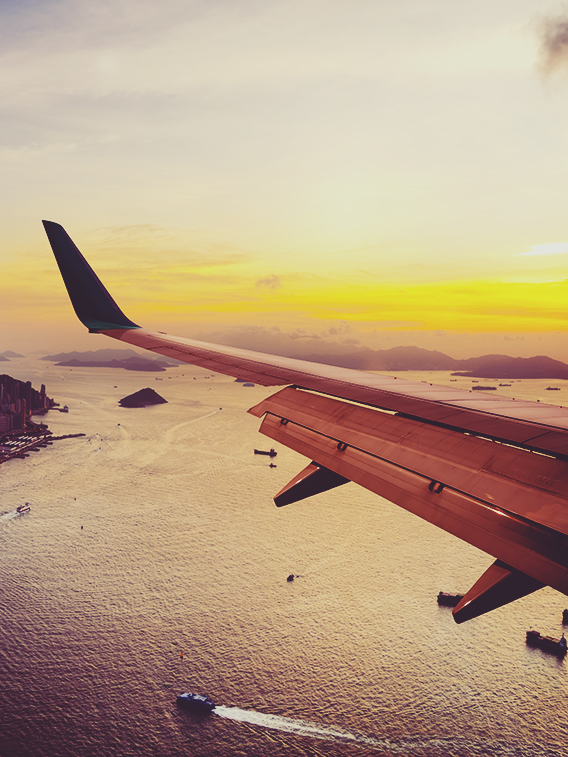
(182, 550)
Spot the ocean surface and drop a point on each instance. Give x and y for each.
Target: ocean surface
(154, 562)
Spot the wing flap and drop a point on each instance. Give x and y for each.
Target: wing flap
(532, 486)
(540, 552)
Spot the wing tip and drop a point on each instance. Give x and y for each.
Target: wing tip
(91, 301)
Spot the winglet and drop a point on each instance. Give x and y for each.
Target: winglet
(92, 303)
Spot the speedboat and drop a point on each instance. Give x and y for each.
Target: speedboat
(23, 508)
(197, 702)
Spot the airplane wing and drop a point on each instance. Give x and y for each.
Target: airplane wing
(492, 471)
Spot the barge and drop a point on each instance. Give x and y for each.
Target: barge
(449, 600)
(547, 643)
(271, 453)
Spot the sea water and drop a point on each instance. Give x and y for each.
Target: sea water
(154, 562)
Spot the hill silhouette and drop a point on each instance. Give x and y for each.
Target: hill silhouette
(502, 366)
(142, 398)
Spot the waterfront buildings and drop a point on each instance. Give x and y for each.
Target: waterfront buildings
(18, 401)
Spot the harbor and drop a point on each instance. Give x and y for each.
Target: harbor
(20, 445)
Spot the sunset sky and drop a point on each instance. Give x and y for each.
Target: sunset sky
(365, 170)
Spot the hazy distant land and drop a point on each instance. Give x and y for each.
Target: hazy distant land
(130, 364)
(397, 359)
(361, 358)
(108, 358)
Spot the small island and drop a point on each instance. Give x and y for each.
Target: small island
(142, 398)
(130, 364)
(110, 358)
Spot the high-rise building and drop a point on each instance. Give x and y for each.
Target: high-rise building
(18, 401)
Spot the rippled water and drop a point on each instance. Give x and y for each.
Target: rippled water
(154, 561)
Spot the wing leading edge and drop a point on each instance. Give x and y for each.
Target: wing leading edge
(464, 462)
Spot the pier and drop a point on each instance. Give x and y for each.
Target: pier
(19, 445)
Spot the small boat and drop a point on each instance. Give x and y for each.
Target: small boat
(23, 508)
(552, 388)
(547, 643)
(483, 388)
(449, 600)
(196, 702)
(270, 453)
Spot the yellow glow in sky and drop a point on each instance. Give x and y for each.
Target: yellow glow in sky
(400, 167)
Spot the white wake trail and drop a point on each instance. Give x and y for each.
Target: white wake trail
(290, 725)
(439, 746)
(10, 515)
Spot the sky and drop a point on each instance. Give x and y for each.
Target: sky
(365, 172)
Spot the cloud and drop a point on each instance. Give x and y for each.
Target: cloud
(301, 334)
(550, 248)
(270, 282)
(342, 328)
(554, 45)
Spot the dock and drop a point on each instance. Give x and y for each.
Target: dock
(20, 445)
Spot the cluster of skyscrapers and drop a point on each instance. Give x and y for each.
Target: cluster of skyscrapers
(18, 401)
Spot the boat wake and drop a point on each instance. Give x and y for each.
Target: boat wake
(304, 728)
(420, 747)
(9, 516)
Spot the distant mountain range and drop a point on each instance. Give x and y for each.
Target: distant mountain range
(363, 358)
(418, 359)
